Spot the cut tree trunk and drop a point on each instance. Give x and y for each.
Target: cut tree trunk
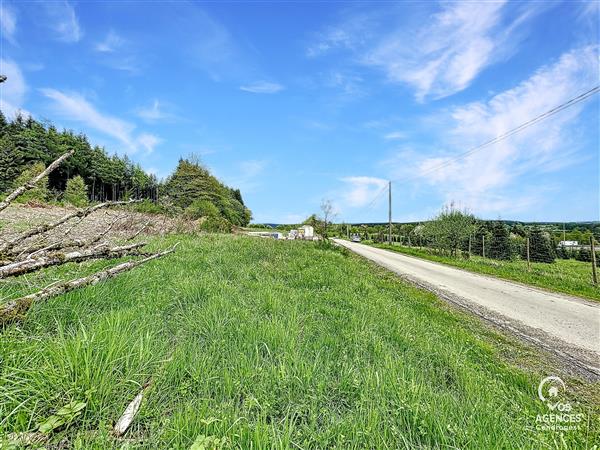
(31, 183)
(55, 259)
(15, 309)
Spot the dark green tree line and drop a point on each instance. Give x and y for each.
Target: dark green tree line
(26, 145)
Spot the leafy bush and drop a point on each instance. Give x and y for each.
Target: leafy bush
(585, 255)
(76, 192)
(216, 224)
(201, 208)
(149, 207)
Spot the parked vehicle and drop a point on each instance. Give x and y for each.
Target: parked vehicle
(355, 238)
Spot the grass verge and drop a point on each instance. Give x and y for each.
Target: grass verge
(564, 275)
(257, 343)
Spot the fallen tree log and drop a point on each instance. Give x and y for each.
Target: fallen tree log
(31, 183)
(80, 213)
(55, 259)
(15, 309)
(37, 250)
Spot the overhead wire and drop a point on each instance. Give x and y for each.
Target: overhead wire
(571, 102)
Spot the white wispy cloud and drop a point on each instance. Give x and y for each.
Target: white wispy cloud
(485, 181)
(244, 175)
(63, 20)
(154, 112)
(110, 43)
(352, 33)
(262, 87)
(8, 23)
(437, 55)
(394, 135)
(252, 168)
(361, 190)
(446, 55)
(73, 106)
(13, 90)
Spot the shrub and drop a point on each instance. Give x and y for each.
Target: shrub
(76, 192)
(585, 255)
(148, 207)
(201, 208)
(216, 224)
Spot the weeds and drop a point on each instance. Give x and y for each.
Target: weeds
(256, 343)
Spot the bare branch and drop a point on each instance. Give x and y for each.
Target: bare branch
(130, 412)
(55, 259)
(31, 183)
(14, 309)
(139, 231)
(80, 213)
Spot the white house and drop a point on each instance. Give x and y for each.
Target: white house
(568, 244)
(306, 232)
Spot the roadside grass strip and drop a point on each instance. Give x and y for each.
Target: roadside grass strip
(255, 343)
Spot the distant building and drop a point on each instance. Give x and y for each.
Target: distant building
(306, 232)
(293, 234)
(568, 244)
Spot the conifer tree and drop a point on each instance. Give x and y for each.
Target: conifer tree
(500, 246)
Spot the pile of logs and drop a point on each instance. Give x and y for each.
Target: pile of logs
(31, 251)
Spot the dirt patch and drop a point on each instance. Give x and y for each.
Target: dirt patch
(125, 223)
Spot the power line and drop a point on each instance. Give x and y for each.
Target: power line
(573, 101)
(509, 133)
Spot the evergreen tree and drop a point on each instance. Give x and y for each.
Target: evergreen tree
(25, 142)
(540, 247)
(76, 192)
(500, 246)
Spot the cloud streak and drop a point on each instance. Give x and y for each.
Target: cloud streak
(8, 23)
(75, 107)
(262, 87)
(63, 20)
(110, 44)
(13, 90)
(361, 190)
(437, 55)
(484, 181)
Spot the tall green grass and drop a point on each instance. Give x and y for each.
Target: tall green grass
(564, 275)
(267, 344)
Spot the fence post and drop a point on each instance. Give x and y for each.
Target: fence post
(594, 276)
(469, 246)
(483, 245)
(528, 262)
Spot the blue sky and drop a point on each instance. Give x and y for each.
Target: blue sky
(296, 102)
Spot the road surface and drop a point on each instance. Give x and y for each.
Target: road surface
(567, 325)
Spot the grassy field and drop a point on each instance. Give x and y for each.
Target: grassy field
(256, 343)
(567, 276)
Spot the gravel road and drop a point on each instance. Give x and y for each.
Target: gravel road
(568, 326)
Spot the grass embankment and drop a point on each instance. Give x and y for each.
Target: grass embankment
(268, 344)
(564, 275)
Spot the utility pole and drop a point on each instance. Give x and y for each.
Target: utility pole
(528, 260)
(593, 250)
(390, 212)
